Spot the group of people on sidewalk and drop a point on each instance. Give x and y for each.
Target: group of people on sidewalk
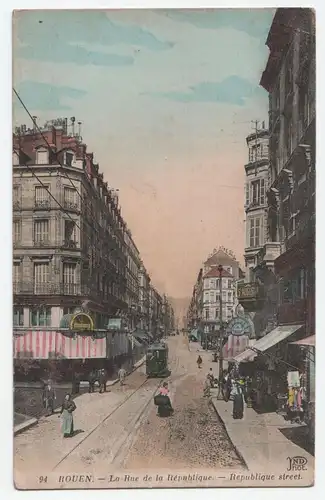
(68, 405)
(233, 387)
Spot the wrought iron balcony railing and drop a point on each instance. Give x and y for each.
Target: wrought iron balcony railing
(42, 204)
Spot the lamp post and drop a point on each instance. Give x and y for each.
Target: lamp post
(220, 395)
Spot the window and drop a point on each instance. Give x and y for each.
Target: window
(212, 297)
(18, 316)
(247, 194)
(229, 284)
(42, 157)
(212, 283)
(70, 198)
(70, 236)
(229, 296)
(206, 297)
(69, 310)
(206, 284)
(207, 313)
(16, 273)
(15, 195)
(68, 159)
(224, 296)
(41, 231)
(17, 231)
(69, 278)
(258, 192)
(255, 153)
(41, 277)
(288, 134)
(255, 232)
(41, 317)
(42, 197)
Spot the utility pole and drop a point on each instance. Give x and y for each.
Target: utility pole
(220, 395)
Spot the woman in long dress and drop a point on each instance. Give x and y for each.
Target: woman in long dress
(238, 404)
(68, 407)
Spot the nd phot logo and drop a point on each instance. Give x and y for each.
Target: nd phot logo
(297, 463)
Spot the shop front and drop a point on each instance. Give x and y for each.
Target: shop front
(267, 362)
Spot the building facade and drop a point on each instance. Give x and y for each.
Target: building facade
(257, 171)
(282, 292)
(204, 310)
(144, 298)
(132, 280)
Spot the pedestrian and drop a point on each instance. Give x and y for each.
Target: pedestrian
(207, 386)
(238, 404)
(199, 361)
(68, 407)
(92, 380)
(166, 407)
(121, 375)
(210, 376)
(102, 381)
(49, 397)
(227, 388)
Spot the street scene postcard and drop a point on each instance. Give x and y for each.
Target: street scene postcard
(163, 201)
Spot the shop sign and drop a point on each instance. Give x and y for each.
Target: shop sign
(247, 291)
(240, 326)
(81, 322)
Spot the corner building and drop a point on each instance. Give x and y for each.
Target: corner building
(69, 249)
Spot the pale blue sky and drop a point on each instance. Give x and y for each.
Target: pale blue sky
(166, 99)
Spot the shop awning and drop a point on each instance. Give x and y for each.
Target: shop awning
(273, 338)
(308, 341)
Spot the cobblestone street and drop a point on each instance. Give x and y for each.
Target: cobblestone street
(192, 437)
(121, 430)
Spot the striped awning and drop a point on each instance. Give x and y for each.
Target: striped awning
(36, 344)
(308, 341)
(236, 344)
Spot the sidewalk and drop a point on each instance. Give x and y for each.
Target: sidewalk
(42, 446)
(258, 438)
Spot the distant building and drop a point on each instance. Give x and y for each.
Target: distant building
(204, 309)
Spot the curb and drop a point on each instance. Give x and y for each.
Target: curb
(25, 426)
(33, 421)
(239, 454)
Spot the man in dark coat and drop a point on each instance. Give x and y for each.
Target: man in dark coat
(102, 381)
(49, 398)
(92, 380)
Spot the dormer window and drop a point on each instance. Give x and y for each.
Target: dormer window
(68, 158)
(15, 158)
(42, 156)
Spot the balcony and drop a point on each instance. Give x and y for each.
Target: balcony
(292, 312)
(69, 244)
(41, 242)
(71, 206)
(30, 288)
(250, 296)
(42, 204)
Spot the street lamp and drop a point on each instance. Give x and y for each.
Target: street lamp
(220, 395)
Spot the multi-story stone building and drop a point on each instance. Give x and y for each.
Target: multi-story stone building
(204, 310)
(68, 231)
(257, 171)
(155, 311)
(282, 294)
(132, 280)
(144, 298)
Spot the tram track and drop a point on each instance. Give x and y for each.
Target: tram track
(108, 416)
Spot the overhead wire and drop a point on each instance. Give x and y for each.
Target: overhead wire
(110, 250)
